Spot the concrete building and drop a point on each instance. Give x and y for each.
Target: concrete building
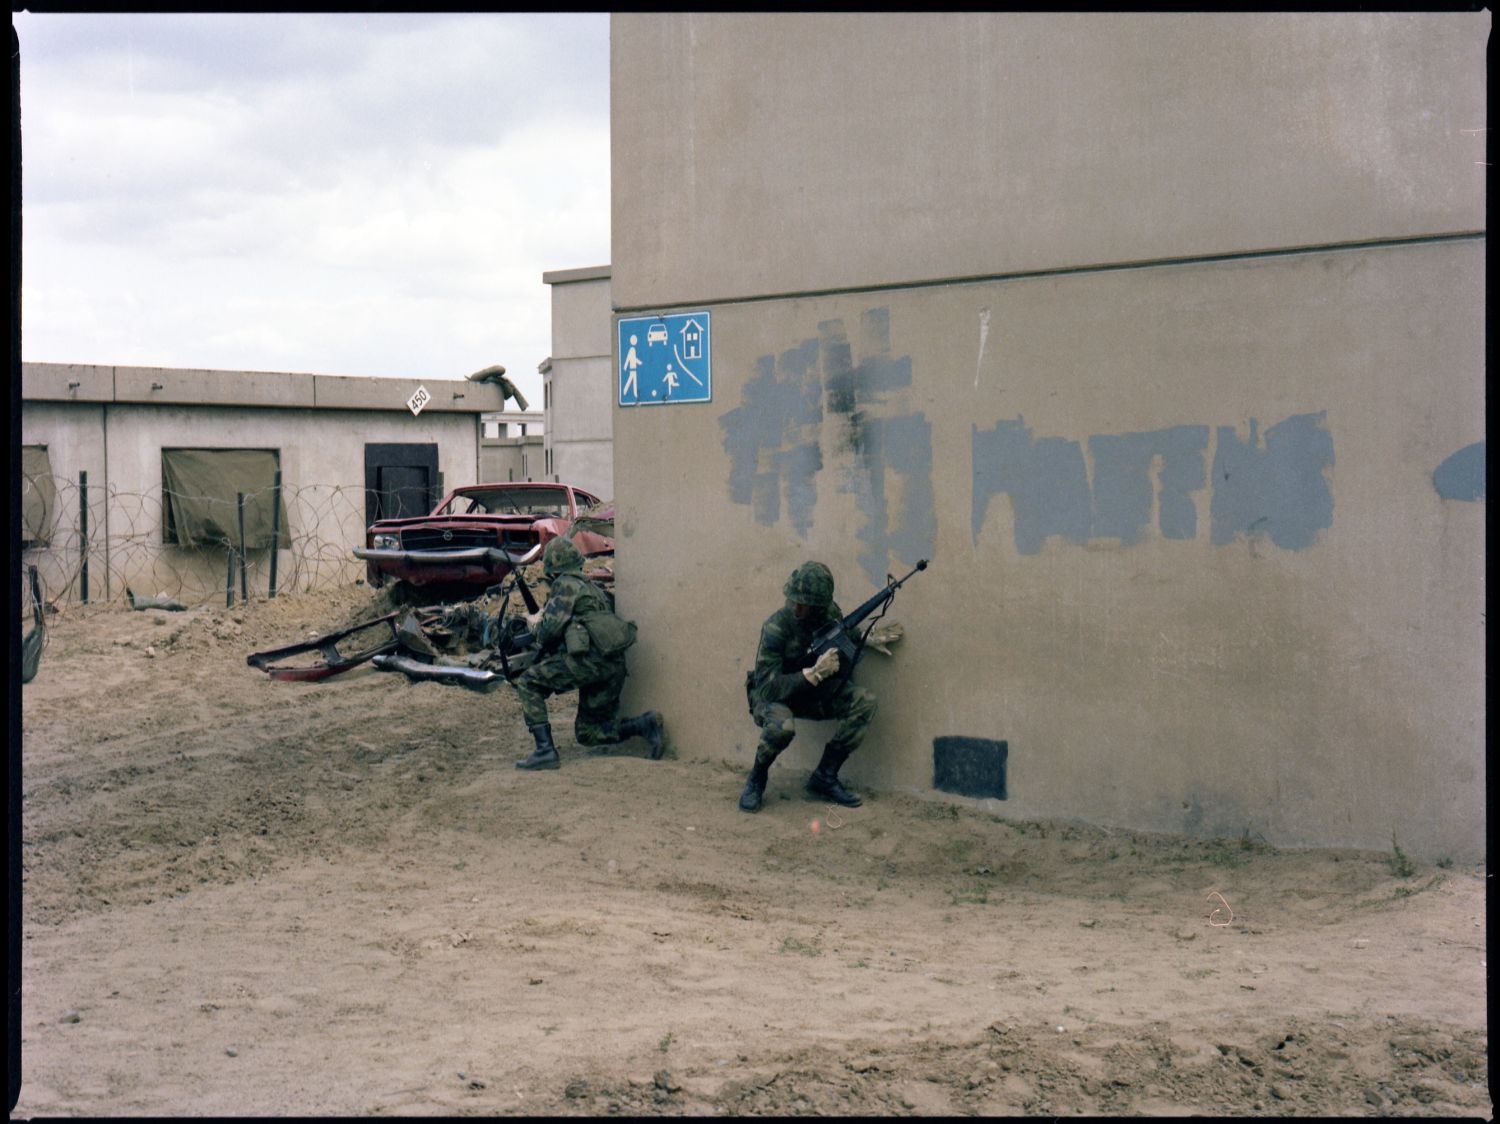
(108, 451)
(576, 382)
(512, 447)
(1161, 335)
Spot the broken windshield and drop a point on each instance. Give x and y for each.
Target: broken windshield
(508, 501)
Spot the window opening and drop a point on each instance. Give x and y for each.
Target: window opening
(200, 490)
(38, 497)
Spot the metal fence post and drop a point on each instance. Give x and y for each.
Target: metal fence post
(83, 537)
(228, 574)
(239, 500)
(275, 529)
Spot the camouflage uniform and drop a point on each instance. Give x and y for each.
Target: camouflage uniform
(580, 645)
(778, 692)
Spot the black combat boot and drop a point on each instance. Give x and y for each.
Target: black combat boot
(755, 787)
(648, 726)
(544, 756)
(824, 782)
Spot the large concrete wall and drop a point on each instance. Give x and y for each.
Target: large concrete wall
(580, 432)
(771, 154)
(1207, 534)
(113, 423)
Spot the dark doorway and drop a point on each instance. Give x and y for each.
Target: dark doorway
(400, 481)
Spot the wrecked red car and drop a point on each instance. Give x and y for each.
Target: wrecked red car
(480, 532)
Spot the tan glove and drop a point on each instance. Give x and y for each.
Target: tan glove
(882, 636)
(533, 619)
(828, 664)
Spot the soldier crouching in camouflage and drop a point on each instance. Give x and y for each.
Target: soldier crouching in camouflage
(580, 643)
(781, 689)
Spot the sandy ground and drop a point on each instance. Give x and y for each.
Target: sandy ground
(250, 897)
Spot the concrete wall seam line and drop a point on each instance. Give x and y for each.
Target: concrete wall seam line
(1064, 271)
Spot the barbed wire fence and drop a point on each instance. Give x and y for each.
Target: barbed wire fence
(101, 542)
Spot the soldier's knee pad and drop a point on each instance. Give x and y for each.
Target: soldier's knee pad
(777, 735)
(766, 753)
(864, 704)
(776, 723)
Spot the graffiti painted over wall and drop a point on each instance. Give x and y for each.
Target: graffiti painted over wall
(1277, 488)
(886, 445)
(826, 388)
(772, 438)
(1461, 475)
(1047, 481)
(836, 406)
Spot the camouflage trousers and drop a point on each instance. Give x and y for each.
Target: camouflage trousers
(852, 707)
(598, 680)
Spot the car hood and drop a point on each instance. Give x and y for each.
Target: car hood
(492, 520)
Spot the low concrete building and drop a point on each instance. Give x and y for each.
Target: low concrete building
(577, 381)
(131, 474)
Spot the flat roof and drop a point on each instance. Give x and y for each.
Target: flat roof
(175, 386)
(586, 273)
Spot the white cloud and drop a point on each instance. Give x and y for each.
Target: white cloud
(346, 193)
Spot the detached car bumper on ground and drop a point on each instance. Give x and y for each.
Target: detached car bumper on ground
(479, 533)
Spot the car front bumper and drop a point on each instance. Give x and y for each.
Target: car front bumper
(472, 556)
(479, 565)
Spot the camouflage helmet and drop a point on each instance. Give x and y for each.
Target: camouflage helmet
(810, 584)
(561, 557)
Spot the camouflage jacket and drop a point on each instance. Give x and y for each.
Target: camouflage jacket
(777, 674)
(574, 598)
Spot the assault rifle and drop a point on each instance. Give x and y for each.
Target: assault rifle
(507, 638)
(844, 635)
(511, 638)
(516, 579)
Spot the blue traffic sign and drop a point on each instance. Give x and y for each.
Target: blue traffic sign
(664, 359)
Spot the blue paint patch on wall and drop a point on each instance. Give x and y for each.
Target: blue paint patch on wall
(1123, 486)
(882, 444)
(772, 438)
(900, 446)
(775, 447)
(880, 372)
(1279, 490)
(1046, 481)
(854, 390)
(1461, 476)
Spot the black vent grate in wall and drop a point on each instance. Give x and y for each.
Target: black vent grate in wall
(969, 766)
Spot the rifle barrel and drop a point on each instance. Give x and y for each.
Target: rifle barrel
(885, 595)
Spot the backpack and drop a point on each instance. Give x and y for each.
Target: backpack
(610, 634)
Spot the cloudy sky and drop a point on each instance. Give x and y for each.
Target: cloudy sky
(349, 194)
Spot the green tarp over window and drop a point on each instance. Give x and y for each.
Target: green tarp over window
(38, 496)
(199, 489)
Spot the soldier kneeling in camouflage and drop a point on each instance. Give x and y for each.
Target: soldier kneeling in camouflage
(580, 643)
(780, 689)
